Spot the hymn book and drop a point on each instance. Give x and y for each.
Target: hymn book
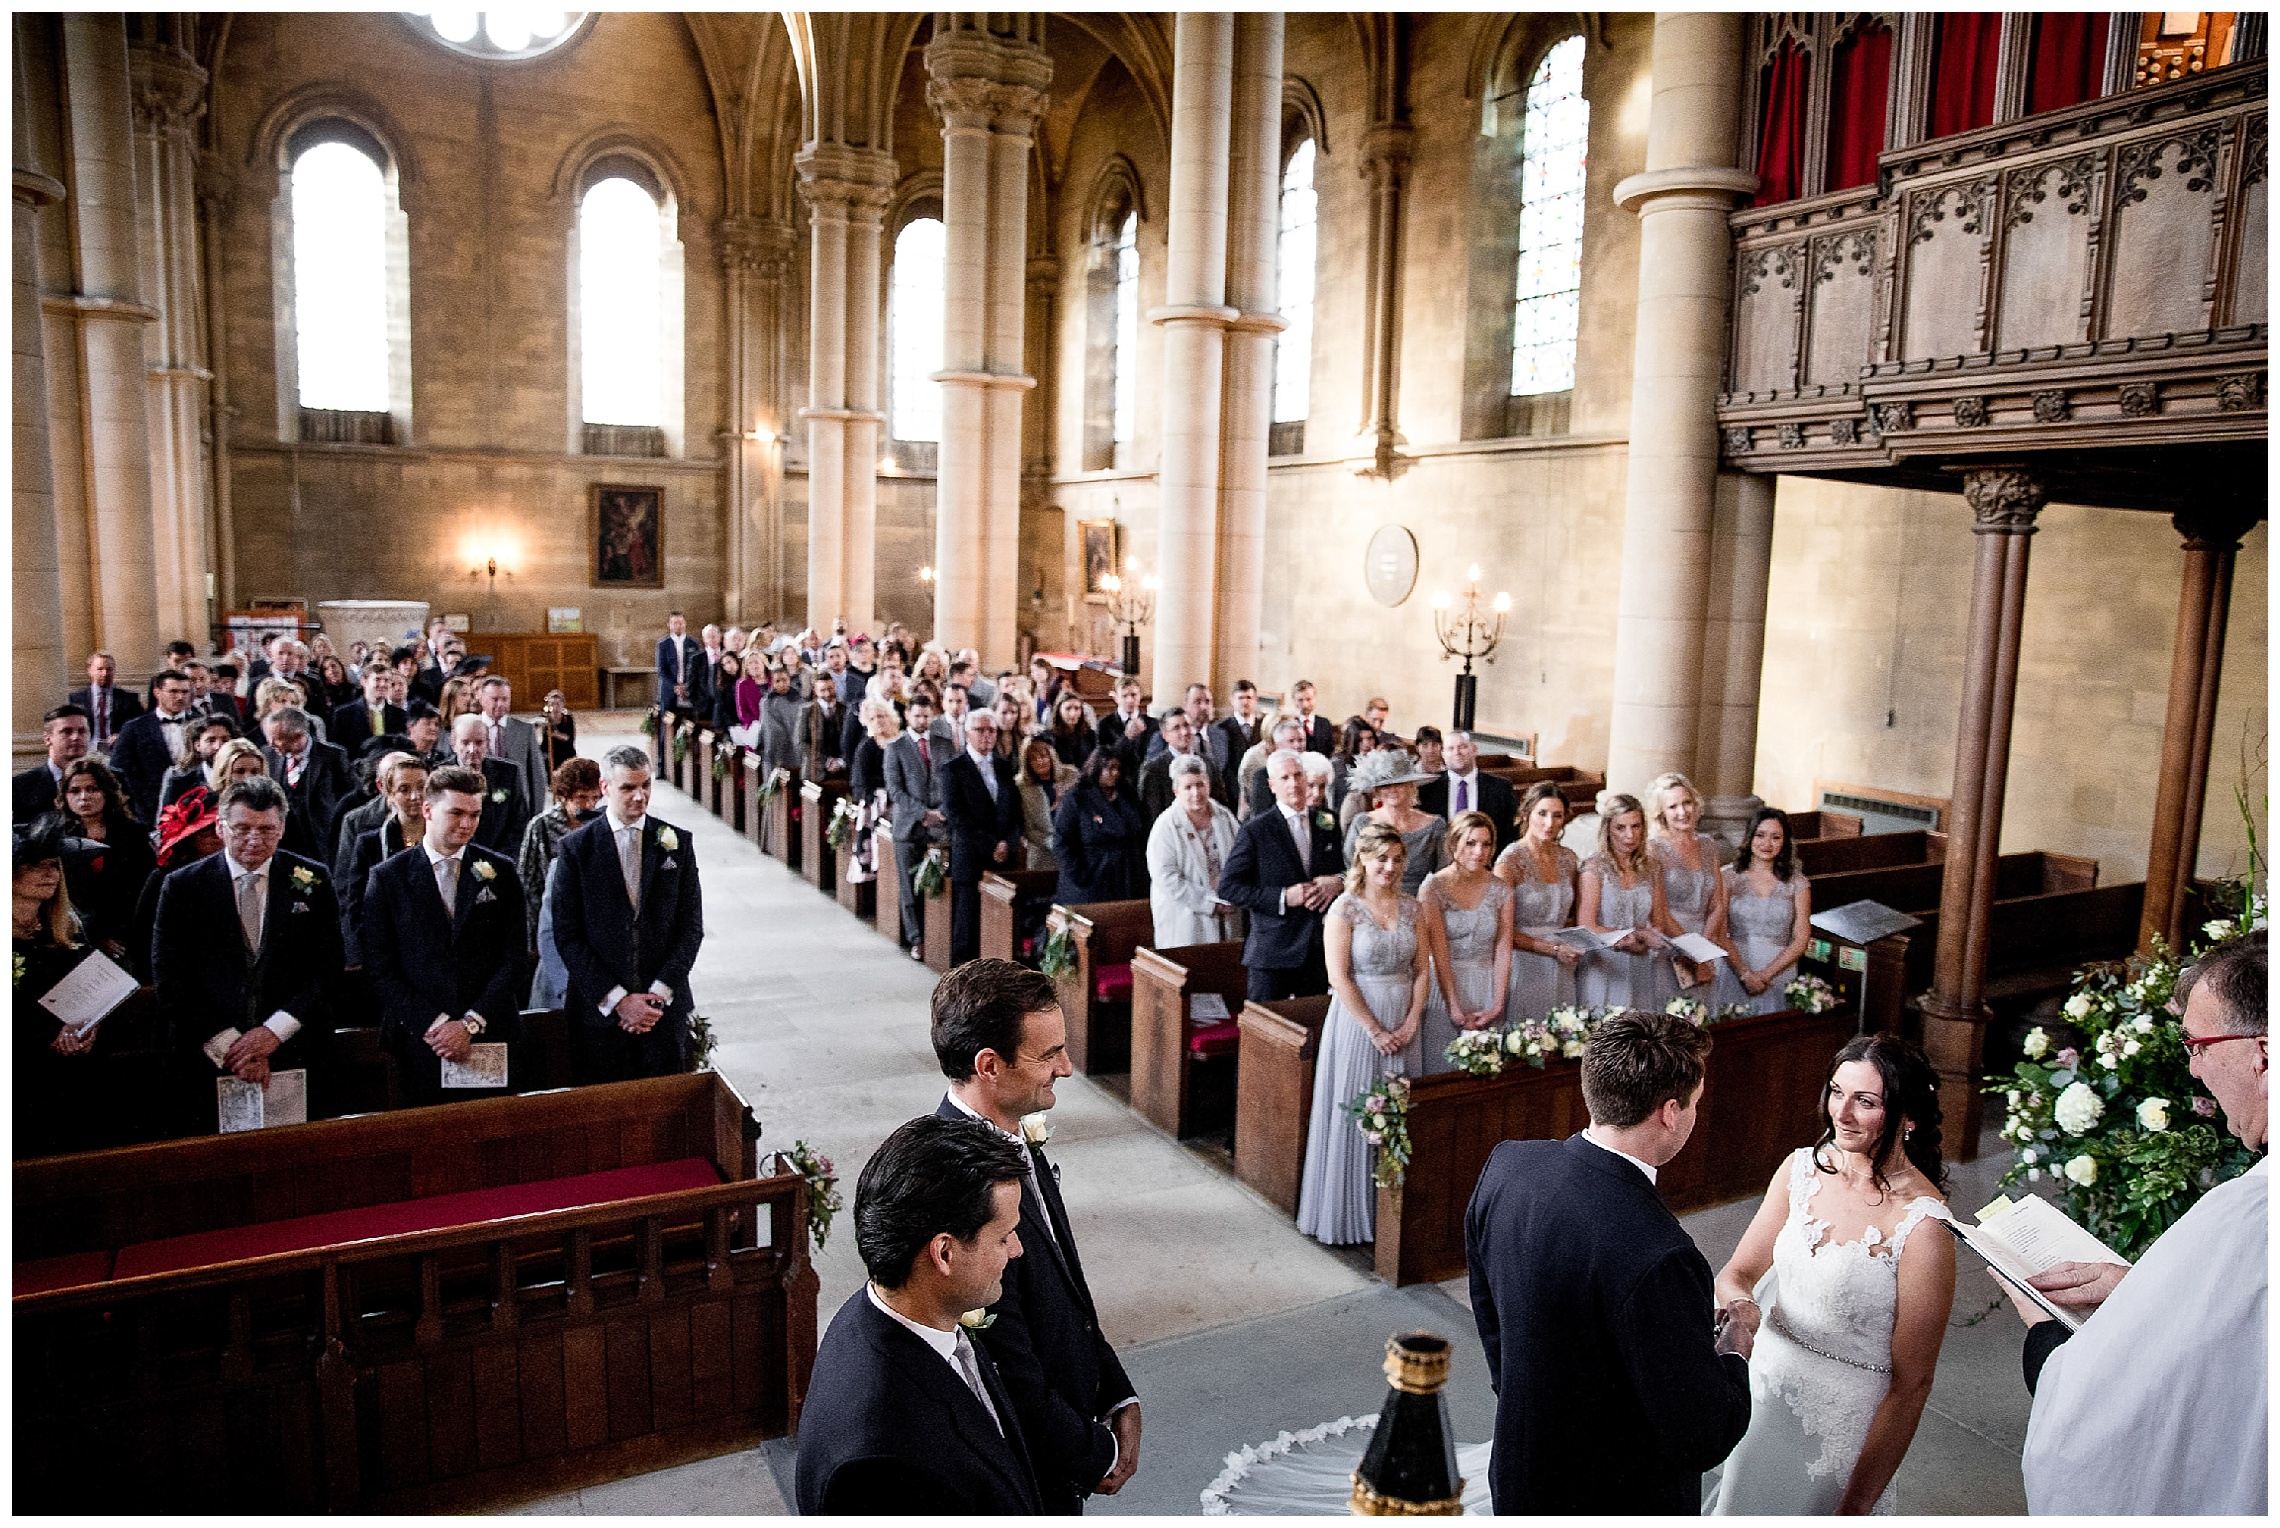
(243, 1105)
(86, 997)
(485, 1067)
(2022, 1237)
(1695, 947)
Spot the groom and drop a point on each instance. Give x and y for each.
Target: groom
(1612, 1392)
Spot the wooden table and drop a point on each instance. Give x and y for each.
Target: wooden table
(613, 676)
(1175, 1090)
(1274, 1094)
(817, 799)
(1105, 934)
(1008, 901)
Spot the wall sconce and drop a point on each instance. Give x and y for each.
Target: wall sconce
(491, 565)
(761, 434)
(926, 574)
(889, 467)
(1469, 633)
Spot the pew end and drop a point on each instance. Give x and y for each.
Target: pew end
(1183, 1078)
(1274, 1094)
(1096, 995)
(1014, 904)
(818, 800)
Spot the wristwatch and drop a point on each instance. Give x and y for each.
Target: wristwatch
(473, 1023)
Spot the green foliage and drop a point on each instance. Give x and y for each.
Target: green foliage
(823, 1201)
(1060, 955)
(1381, 1114)
(933, 872)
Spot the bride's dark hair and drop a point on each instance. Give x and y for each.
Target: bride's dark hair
(1911, 1098)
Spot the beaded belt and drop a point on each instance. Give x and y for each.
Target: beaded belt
(1773, 1319)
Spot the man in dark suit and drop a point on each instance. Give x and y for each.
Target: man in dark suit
(443, 942)
(1179, 737)
(905, 1415)
(1285, 893)
(147, 747)
(514, 741)
(247, 948)
(108, 707)
(1321, 737)
(504, 816)
(628, 918)
(909, 768)
(315, 776)
(1241, 730)
(65, 732)
(1127, 729)
(1464, 788)
(373, 716)
(222, 698)
(1002, 1040)
(982, 806)
(1614, 1388)
(680, 669)
(1258, 796)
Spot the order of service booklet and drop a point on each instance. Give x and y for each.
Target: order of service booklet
(2022, 1237)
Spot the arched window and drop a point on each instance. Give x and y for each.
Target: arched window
(1112, 318)
(1127, 386)
(914, 332)
(1554, 142)
(628, 281)
(1294, 288)
(340, 278)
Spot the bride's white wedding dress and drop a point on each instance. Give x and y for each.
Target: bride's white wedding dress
(1822, 1361)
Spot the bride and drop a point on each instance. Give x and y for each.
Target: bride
(1853, 1317)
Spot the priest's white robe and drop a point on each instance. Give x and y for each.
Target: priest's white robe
(2158, 1404)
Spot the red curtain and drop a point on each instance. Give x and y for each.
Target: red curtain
(2068, 63)
(1963, 70)
(1862, 76)
(1781, 128)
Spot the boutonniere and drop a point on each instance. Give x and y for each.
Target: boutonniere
(668, 840)
(978, 1320)
(304, 879)
(486, 871)
(1036, 1129)
(18, 980)
(1325, 820)
(499, 795)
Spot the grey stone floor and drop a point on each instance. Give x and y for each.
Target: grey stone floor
(1233, 1326)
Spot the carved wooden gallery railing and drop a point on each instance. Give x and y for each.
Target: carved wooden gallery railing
(2089, 277)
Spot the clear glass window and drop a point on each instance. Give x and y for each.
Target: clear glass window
(340, 278)
(1294, 286)
(1127, 251)
(1554, 152)
(620, 304)
(914, 331)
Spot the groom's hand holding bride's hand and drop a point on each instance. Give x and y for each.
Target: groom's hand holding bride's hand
(1736, 1333)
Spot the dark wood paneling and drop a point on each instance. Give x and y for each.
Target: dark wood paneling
(537, 661)
(1274, 1094)
(1008, 900)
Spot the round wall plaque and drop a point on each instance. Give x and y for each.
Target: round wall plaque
(1389, 567)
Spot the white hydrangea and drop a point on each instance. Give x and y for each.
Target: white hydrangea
(2153, 1114)
(2132, 1047)
(2216, 928)
(2143, 1024)
(2037, 1044)
(2078, 1006)
(2078, 1108)
(2083, 1170)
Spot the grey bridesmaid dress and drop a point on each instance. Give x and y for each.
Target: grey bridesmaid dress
(1337, 1201)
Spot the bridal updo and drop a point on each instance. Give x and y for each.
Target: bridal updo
(1911, 1107)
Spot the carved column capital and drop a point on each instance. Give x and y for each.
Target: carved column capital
(169, 92)
(2004, 500)
(754, 246)
(1386, 152)
(977, 81)
(963, 102)
(1045, 274)
(2214, 527)
(848, 181)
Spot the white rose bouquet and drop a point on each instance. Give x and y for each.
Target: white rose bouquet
(1478, 1051)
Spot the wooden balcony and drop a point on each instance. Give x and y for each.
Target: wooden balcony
(2089, 281)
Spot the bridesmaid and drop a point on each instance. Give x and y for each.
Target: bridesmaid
(1771, 910)
(1542, 874)
(1620, 891)
(1378, 977)
(1468, 927)
(1693, 883)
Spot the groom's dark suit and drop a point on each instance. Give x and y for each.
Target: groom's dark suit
(1048, 1347)
(1596, 1310)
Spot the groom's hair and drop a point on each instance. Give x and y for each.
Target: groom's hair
(932, 1175)
(980, 1006)
(1636, 1062)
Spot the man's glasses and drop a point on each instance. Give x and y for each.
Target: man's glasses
(2196, 1042)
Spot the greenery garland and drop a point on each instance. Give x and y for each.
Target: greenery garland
(823, 1201)
(1060, 955)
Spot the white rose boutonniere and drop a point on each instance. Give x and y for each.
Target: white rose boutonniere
(1036, 1129)
(668, 840)
(499, 795)
(304, 879)
(977, 1320)
(486, 871)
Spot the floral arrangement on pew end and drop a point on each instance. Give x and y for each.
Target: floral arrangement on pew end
(724, 762)
(773, 786)
(823, 1201)
(841, 830)
(1060, 957)
(649, 723)
(1382, 1116)
(1810, 994)
(2117, 1119)
(680, 745)
(933, 873)
(1478, 1051)
(703, 1041)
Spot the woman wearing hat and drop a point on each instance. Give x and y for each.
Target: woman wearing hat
(54, 1066)
(188, 830)
(1389, 779)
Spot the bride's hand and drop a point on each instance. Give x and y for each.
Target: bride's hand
(1746, 1311)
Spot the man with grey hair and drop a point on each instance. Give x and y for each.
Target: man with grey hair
(982, 804)
(628, 920)
(316, 780)
(503, 816)
(514, 741)
(2158, 1404)
(1286, 868)
(1290, 734)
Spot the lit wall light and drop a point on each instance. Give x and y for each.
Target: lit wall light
(761, 434)
(889, 467)
(926, 573)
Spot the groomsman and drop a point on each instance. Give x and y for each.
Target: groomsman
(443, 941)
(983, 806)
(1001, 1039)
(1465, 789)
(1286, 868)
(906, 1416)
(628, 918)
(909, 767)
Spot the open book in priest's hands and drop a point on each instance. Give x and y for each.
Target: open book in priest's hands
(2022, 1237)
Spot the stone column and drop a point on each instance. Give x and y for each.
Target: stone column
(2196, 662)
(169, 99)
(1254, 226)
(1733, 653)
(1670, 495)
(846, 191)
(752, 259)
(41, 670)
(1194, 318)
(988, 87)
(1385, 165)
(2004, 503)
(214, 194)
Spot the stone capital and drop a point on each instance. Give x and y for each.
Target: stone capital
(754, 245)
(36, 190)
(2004, 500)
(169, 91)
(1711, 187)
(977, 81)
(2215, 527)
(850, 181)
(1386, 152)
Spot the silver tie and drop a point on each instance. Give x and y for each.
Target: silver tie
(249, 908)
(629, 862)
(971, 1371)
(447, 883)
(1304, 841)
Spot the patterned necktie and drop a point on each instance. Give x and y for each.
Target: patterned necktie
(971, 1371)
(629, 862)
(447, 883)
(249, 908)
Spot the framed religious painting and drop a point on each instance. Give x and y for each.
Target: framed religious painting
(1097, 547)
(628, 536)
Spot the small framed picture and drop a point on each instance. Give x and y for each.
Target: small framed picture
(628, 536)
(1097, 538)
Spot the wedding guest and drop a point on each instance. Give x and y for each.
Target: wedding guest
(906, 1415)
(933, 668)
(1857, 1336)
(1099, 837)
(825, 725)
(1619, 890)
(1318, 778)
(1044, 687)
(334, 688)
(628, 920)
(516, 742)
(1542, 873)
(1379, 972)
(107, 706)
(1043, 779)
(680, 668)
(1613, 1390)
(843, 677)
(726, 715)
(503, 815)
(147, 747)
(983, 810)
(1375, 710)
(1356, 740)
(1285, 870)
(1769, 910)
(207, 736)
(889, 683)
(908, 774)
(1011, 730)
(576, 789)
(59, 1103)
(457, 699)
(1430, 759)
(316, 779)
(238, 759)
(1288, 734)
(1126, 730)
(222, 698)
(1388, 777)
(2159, 1403)
(779, 724)
(1177, 732)
(862, 664)
(967, 671)
(1465, 787)
(867, 781)
(1000, 1037)
(1467, 925)
(1321, 737)
(375, 715)
(1238, 733)
(110, 881)
(401, 823)
(1072, 734)
(188, 830)
(561, 730)
(64, 732)
(1188, 844)
(1694, 889)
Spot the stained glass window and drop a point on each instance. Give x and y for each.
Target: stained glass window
(1127, 251)
(1554, 139)
(1294, 285)
(340, 278)
(621, 336)
(914, 330)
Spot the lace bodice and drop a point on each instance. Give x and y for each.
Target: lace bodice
(1622, 906)
(1535, 903)
(1472, 931)
(1379, 951)
(1761, 921)
(1687, 893)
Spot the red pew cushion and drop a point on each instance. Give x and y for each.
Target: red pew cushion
(1113, 984)
(339, 1227)
(69, 1271)
(1214, 1040)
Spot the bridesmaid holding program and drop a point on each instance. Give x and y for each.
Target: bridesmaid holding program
(1694, 887)
(1620, 891)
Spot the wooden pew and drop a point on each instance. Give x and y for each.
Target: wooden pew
(1821, 824)
(781, 827)
(1274, 1094)
(1013, 909)
(1760, 1101)
(1875, 851)
(471, 1316)
(935, 910)
(1096, 995)
(731, 807)
(859, 897)
(700, 769)
(888, 906)
(818, 798)
(685, 732)
(751, 817)
(1183, 1075)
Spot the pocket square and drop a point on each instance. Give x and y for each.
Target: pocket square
(669, 864)
(300, 907)
(485, 895)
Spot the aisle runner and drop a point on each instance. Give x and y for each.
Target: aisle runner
(1310, 1473)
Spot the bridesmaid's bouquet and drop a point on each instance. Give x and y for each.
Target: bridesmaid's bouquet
(1558, 1035)
(1478, 1051)
(1810, 994)
(1382, 1116)
(1692, 1010)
